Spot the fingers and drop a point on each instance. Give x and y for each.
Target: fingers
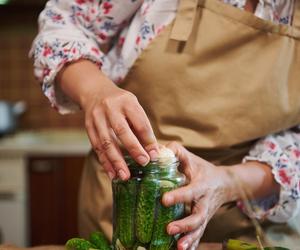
(92, 134)
(188, 224)
(191, 240)
(184, 157)
(117, 116)
(106, 165)
(185, 194)
(192, 226)
(140, 123)
(124, 133)
(108, 146)
(179, 151)
(181, 195)
(195, 244)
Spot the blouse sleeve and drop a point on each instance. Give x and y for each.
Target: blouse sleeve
(281, 152)
(70, 30)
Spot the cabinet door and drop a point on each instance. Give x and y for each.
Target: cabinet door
(53, 185)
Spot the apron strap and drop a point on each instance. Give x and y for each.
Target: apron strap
(296, 19)
(184, 21)
(186, 13)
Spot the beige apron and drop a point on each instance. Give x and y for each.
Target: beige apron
(216, 79)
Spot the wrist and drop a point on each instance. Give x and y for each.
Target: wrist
(95, 88)
(252, 180)
(82, 81)
(229, 184)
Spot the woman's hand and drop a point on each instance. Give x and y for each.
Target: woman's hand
(112, 115)
(209, 188)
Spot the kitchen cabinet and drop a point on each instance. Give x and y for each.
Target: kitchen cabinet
(39, 181)
(53, 198)
(13, 200)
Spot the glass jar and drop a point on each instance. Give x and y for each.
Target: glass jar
(139, 218)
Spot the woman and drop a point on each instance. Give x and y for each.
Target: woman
(215, 78)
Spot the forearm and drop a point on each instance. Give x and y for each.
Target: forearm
(254, 178)
(81, 80)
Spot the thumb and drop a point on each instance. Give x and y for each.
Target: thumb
(179, 151)
(183, 156)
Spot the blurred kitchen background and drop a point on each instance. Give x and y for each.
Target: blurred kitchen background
(42, 157)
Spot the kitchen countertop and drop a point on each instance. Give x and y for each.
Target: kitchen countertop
(45, 142)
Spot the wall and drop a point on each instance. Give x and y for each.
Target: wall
(18, 27)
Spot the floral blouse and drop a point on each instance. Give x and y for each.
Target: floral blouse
(74, 29)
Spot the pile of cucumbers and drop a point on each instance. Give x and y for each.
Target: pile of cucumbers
(97, 240)
(140, 219)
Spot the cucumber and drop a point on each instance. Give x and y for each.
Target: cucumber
(79, 244)
(126, 212)
(116, 207)
(146, 204)
(232, 244)
(275, 248)
(99, 240)
(238, 245)
(178, 211)
(161, 240)
(167, 186)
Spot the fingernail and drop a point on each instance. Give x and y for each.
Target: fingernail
(174, 230)
(111, 175)
(153, 154)
(142, 160)
(122, 174)
(168, 199)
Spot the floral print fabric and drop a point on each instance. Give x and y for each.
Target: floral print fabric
(70, 30)
(282, 152)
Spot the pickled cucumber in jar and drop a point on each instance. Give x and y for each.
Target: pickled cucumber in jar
(139, 218)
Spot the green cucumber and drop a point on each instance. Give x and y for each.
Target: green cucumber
(166, 186)
(160, 247)
(126, 212)
(146, 204)
(238, 245)
(232, 244)
(275, 248)
(99, 240)
(161, 240)
(79, 244)
(178, 211)
(116, 206)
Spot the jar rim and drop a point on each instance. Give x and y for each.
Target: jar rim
(161, 162)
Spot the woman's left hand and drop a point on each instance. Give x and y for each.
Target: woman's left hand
(209, 187)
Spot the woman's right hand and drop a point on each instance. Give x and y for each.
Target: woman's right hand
(117, 115)
(112, 115)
